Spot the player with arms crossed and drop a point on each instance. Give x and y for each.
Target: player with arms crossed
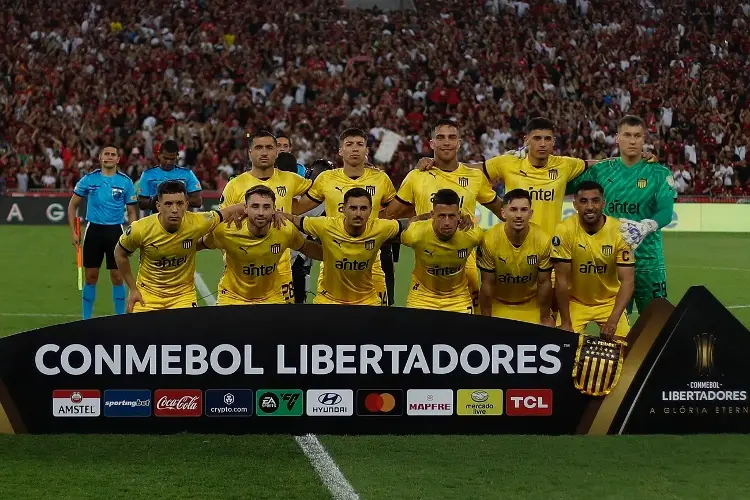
(441, 252)
(641, 194)
(167, 241)
(107, 192)
(594, 266)
(419, 187)
(350, 249)
(167, 170)
(263, 151)
(330, 186)
(515, 264)
(253, 252)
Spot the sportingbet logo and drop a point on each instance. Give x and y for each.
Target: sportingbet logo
(429, 402)
(76, 403)
(542, 194)
(330, 403)
(623, 207)
(258, 271)
(178, 403)
(127, 403)
(591, 268)
(514, 280)
(352, 265)
(279, 402)
(528, 402)
(444, 271)
(165, 263)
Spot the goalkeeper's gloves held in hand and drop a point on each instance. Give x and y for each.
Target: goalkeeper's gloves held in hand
(635, 232)
(519, 153)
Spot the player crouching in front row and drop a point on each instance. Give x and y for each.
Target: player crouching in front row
(167, 241)
(251, 274)
(594, 267)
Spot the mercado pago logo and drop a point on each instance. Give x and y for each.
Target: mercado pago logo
(706, 395)
(316, 359)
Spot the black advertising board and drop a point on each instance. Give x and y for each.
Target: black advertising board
(36, 210)
(360, 370)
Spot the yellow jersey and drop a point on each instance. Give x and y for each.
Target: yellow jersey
(516, 269)
(167, 260)
(348, 260)
(251, 269)
(440, 266)
(331, 185)
(286, 185)
(593, 257)
(546, 184)
(470, 184)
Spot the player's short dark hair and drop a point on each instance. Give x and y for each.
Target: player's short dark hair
(261, 190)
(539, 123)
(283, 136)
(589, 186)
(352, 132)
(516, 194)
(286, 162)
(446, 197)
(260, 134)
(170, 146)
(357, 192)
(444, 122)
(171, 187)
(631, 120)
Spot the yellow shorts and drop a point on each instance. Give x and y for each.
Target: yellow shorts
(472, 275)
(229, 298)
(284, 269)
(421, 299)
(154, 303)
(374, 300)
(581, 315)
(378, 281)
(528, 311)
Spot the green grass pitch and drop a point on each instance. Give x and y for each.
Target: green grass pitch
(39, 289)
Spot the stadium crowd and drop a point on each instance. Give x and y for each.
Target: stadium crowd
(207, 72)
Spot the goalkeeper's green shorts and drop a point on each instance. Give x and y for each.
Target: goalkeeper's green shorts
(649, 284)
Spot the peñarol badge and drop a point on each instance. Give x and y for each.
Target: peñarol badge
(642, 183)
(597, 365)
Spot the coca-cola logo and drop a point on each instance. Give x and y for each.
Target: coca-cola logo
(178, 403)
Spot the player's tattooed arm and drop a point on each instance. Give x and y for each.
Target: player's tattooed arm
(544, 298)
(294, 219)
(396, 209)
(562, 293)
(303, 204)
(626, 275)
(487, 292)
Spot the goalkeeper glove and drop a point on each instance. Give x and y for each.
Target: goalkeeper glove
(635, 232)
(519, 153)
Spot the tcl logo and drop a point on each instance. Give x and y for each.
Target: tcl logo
(528, 402)
(178, 403)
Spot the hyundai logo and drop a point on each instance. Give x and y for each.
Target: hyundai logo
(329, 398)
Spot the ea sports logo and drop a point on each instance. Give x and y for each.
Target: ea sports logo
(76, 397)
(382, 403)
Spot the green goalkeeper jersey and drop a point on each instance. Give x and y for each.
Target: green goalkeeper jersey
(643, 191)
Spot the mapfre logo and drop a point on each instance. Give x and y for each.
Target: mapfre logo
(429, 402)
(528, 402)
(178, 403)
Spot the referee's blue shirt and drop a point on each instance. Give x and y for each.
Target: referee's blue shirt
(106, 197)
(151, 178)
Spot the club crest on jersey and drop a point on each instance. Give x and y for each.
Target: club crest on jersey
(187, 244)
(556, 241)
(463, 253)
(607, 250)
(370, 189)
(532, 260)
(463, 181)
(369, 244)
(641, 183)
(117, 194)
(276, 248)
(281, 190)
(552, 174)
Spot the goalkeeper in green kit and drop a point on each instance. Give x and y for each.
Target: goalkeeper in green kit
(641, 195)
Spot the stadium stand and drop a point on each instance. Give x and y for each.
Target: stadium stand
(208, 71)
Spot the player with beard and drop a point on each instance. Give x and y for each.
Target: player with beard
(167, 170)
(253, 252)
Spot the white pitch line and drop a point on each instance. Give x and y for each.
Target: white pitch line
(41, 315)
(739, 307)
(328, 471)
(200, 284)
(711, 268)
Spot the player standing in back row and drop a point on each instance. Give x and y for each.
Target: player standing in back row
(642, 196)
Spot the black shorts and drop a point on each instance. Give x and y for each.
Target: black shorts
(98, 242)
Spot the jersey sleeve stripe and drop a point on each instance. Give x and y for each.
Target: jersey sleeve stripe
(485, 270)
(558, 259)
(307, 193)
(545, 269)
(403, 201)
(302, 224)
(221, 217)
(625, 265)
(484, 168)
(493, 200)
(126, 250)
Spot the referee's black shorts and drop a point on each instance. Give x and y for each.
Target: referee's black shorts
(98, 242)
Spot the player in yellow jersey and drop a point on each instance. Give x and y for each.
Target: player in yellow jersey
(441, 252)
(263, 151)
(253, 252)
(594, 266)
(515, 263)
(350, 248)
(167, 241)
(416, 192)
(330, 186)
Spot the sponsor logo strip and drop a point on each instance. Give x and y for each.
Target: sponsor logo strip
(127, 403)
(178, 403)
(479, 402)
(429, 402)
(229, 402)
(278, 402)
(528, 402)
(76, 403)
(380, 402)
(330, 403)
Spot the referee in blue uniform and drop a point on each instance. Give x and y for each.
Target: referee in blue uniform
(167, 170)
(107, 192)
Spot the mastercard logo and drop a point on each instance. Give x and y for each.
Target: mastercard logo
(380, 402)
